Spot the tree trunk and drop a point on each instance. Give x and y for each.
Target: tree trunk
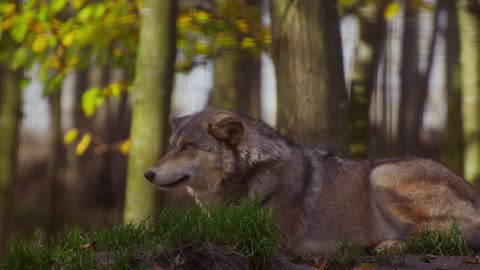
(469, 25)
(236, 83)
(151, 103)
(105, 127)
(307, 52)
(453, 146)
(409, 122)
(10, 102)
(370, 48)
(74, 172)
(55, 158)
(415, 82)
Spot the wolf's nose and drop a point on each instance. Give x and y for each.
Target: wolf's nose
(149, 175)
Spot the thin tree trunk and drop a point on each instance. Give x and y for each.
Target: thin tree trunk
(10, 102)
(151, 103)
(55, 158)
(307, 52)
(104, 125)
(74, 173)
(409, 128)
(414, 85)
(369, 53)
(453, 146)
(236, 83)
(469, 25)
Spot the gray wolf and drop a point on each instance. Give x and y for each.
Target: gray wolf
(317, 198)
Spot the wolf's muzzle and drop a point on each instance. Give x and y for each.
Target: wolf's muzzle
(149, 175)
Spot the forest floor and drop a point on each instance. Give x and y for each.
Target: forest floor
(235, 237)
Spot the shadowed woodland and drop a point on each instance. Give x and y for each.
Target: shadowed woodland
(87, 88)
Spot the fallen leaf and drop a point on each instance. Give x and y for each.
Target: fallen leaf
(387, 245)
(365, 266)
(319, 264)
(91, 245)
(429, 258)
(474, 260)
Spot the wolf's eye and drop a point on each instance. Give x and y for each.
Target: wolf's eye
(186, 146)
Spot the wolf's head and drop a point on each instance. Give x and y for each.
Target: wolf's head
(204, 151)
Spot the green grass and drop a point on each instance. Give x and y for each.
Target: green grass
(345, 255)
(247, 230)
(445, 243)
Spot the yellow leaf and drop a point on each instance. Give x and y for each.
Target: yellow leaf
(72, 61)
(7, 9)
(267, 39)
(6, 23)
(184, 20)
(391, 10)
(202, 17)
(39, 44)
(67, 40)
(53, 62)
(139, 3)
(77, 4)
(201, 47)
(117, 52)
(248, 42)
(242, 25)
(82, 146)
(89, 112)
(115, 89)
(125, 147)
(70, 136)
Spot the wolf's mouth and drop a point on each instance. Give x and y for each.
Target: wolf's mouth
(175, 183)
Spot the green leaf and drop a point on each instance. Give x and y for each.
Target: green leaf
(102, 56)
(44, 74)
(53, 85)
(57, 5)
(91, 99)
(42, 15)
(19, 30)
(391, 10)
(19, 58)
(25, 82)
(99, 10)
(85, 14)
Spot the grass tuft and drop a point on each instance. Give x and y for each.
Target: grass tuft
(23, 256)
(444, 243)
(247, 229)
(345, 255)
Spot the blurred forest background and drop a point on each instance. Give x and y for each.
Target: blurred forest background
(87, 88)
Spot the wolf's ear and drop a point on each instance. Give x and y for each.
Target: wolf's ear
(175, 121)
(228, 129)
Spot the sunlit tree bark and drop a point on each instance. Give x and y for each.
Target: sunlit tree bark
(151, 102)
(307, 53)
(469, 25)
